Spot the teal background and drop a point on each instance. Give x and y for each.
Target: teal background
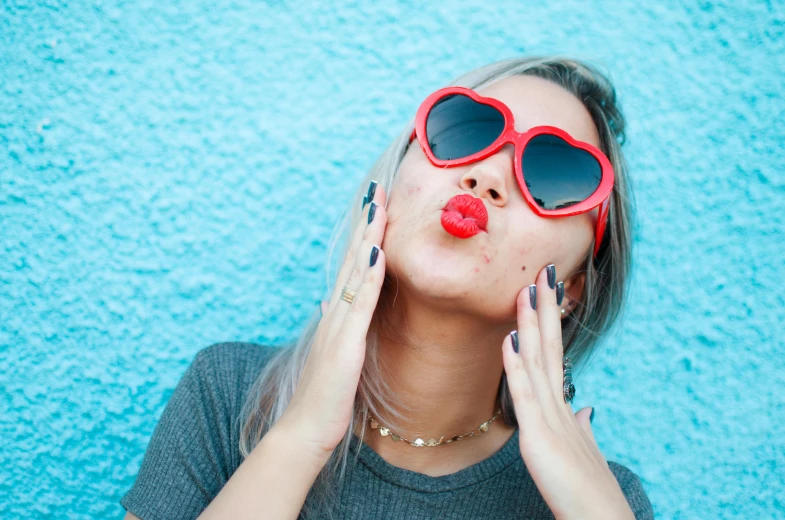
(170, 174)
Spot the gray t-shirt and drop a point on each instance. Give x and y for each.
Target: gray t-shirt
(194, 451)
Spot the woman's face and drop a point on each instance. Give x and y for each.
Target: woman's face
(482, 275)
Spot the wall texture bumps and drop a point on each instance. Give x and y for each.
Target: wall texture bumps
(170, 173)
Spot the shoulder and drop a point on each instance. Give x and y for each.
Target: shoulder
(194, 448)
(632, 487)
(228, 369)
(232, 357)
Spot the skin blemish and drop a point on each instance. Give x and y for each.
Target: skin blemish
(476, 269)
(487, 259)
(523, 268)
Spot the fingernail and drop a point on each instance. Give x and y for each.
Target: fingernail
(559, 292)
(514, 336)
(533, 295)
(551, 270)
(591, 417)
(372, 212)
(371, 191)
(374, 255)
(365, 201)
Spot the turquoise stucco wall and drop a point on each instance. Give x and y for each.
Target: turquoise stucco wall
(170, 173)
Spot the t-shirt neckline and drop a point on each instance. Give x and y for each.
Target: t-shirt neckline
(483, 470)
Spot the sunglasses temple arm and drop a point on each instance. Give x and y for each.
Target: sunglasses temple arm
(602, 220)
(411, 137)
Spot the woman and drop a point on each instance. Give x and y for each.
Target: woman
(503, 206)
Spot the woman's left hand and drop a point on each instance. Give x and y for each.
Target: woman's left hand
(558, 447)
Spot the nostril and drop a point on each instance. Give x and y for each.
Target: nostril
(472, 183)
(494, 194)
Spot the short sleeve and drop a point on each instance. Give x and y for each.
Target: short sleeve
(632, 487)
(192, 452)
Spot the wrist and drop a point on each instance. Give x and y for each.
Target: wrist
(288, 439)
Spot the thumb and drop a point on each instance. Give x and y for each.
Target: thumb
(584, 417)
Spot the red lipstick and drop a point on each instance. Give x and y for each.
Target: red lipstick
(464, 216)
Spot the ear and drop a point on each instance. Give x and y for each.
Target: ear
(573, 291)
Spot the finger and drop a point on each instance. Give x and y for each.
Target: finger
(528, 410)
(373, 234)
(549, 318)
(358, 318)
(531, 350)
(380, 197)
(583, 416)
(360, 223)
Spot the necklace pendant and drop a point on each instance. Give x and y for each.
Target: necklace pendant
(432, 442)
(395, 437)
(484, 426)
(384, 432)
(374, 424)
(418, 442)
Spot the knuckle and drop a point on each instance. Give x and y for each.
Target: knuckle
(534, 358)
(358, 305)
(359, 301)
(350, 258)
(524, 393)
(528, 395)
(539, 362)
(355, 275)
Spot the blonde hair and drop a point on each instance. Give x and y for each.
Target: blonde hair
(600, 308)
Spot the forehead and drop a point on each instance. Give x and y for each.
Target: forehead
(535, 101)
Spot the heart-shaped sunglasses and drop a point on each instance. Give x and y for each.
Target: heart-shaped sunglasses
(558, 175)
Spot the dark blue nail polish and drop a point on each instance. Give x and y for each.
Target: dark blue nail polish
(533, 295)
(372, 212)
(514, 336)
(365, 201)
(371, 191)
(551, 270)
(591, 417)
(374, 255)
(559, 292)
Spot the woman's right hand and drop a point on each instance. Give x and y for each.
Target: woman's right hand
(321, 408)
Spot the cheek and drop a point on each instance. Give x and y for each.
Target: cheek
(504, 266)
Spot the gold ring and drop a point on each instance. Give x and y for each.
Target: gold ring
(348, 295)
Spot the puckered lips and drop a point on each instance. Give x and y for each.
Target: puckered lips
(464, 216)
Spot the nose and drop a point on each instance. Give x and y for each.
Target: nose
(490, 178)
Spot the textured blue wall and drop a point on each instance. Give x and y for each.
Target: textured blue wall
(170, 173)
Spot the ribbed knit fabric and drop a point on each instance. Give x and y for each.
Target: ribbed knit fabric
(194, 451)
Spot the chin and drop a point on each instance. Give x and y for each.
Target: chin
(438, 270)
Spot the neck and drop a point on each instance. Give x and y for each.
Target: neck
(445, 367)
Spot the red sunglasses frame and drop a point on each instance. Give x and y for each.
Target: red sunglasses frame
(600, 197)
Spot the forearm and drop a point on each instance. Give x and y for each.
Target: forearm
(271, 483)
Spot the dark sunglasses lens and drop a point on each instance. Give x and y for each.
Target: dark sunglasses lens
(457, 126)
(557, 174)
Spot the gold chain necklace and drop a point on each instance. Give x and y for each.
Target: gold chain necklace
(418, 442)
